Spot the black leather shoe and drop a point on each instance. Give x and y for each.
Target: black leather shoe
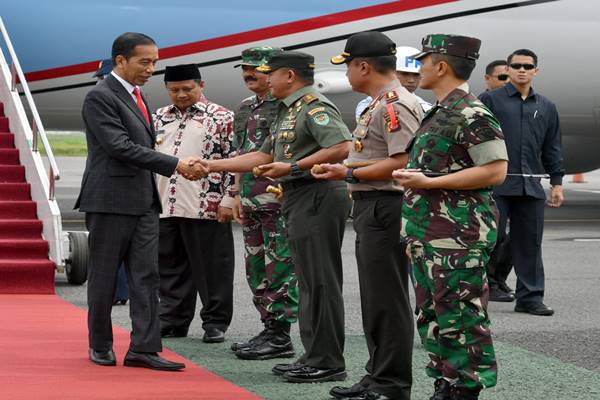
(105, 358)
(442, 390)
(171, 332)
(308, 374)
(276, 345)
(280, 369)
(213, 335)
(370, 395)
(537, 308)
(458, 393)
(258, 339)
(150, 360)
(497, 294)
(505, 288)
(344, 392)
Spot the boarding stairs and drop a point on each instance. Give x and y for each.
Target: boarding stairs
(32, 243)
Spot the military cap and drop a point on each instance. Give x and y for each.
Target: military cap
(366, 44)
(104, 68)
(256, 56)
(183, 72)
(451, 45)
(289, 59)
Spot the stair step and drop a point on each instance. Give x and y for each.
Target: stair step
(18, 209)
(1, 109)
(20, 228)
(9, 157)
(23, 248)
(26, 276)
(4, 124)
(15, 191)
(12, 173)
(7, 140)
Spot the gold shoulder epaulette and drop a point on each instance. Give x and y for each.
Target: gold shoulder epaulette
(309, 98)
(391, 97)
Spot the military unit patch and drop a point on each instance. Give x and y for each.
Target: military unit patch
(321, 118)
(316, 110)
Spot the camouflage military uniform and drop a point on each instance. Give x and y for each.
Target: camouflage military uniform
(269, 267)
(451, 233)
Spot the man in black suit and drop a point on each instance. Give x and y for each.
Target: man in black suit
(119, 196)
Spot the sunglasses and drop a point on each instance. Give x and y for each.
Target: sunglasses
(501, 77)
(527, 67)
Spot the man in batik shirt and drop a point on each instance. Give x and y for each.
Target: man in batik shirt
(196, 254)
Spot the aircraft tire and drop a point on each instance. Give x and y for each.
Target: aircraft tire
(76, 267)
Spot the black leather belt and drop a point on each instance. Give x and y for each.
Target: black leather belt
(373, 194)
(297, 183)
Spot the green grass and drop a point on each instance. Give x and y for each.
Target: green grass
(66, 145)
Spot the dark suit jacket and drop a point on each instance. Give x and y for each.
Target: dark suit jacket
(118, 175)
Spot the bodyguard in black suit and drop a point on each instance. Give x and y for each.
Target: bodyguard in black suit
(119, 196)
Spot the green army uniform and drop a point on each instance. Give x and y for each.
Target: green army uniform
(315, 213)
(269, 268)
(451, 232)
(384, 130)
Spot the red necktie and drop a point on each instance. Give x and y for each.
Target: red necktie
(140, 103)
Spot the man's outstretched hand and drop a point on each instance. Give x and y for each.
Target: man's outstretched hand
(193, 168)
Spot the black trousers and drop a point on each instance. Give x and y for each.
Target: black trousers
(113, 239)
(383, 277)
(195, 257)
(316, 216)
(524, 241)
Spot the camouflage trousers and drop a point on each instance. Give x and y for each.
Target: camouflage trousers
(269, 267)
(452, 296)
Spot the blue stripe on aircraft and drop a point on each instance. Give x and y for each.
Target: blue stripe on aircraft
(48, 34)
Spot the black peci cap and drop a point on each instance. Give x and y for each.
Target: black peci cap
(183, 72)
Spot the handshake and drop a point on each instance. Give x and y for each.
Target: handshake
(193, 168)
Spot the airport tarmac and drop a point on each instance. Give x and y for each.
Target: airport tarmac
(571, 258)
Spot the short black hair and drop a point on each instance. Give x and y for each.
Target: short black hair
(126, 42)
(381, 64)
(462, 67)
(306, 75)
(491, 66)
(524, 52)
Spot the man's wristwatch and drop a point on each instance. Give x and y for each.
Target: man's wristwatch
(350, 178)
(295, 170)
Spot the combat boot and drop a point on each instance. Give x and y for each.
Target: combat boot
(461, 393)
(442, 390)
(258, 339)
(277, 344)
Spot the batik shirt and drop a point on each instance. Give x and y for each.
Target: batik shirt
(204, 130)
(456, 134)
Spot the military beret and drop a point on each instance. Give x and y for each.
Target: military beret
(183, 72)
(451, 45)
(366, 44)
(289, 59)
(256, 56)
(104, 68)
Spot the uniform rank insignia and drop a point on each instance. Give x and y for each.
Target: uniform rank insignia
(391, 117)
(309, 98)
(321, 118)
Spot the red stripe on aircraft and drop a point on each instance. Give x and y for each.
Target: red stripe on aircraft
(254, 35)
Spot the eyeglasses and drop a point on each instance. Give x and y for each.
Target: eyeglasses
(527, 67)
(501, 77)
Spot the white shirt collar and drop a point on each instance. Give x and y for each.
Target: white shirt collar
(128, 86)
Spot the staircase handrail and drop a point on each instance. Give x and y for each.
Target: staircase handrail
(37, 128)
